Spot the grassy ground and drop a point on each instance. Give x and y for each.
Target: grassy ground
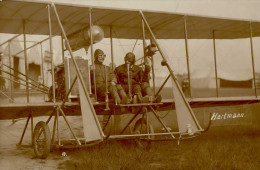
(221, 147)
(232, 148)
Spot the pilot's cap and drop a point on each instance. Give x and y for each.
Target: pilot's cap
(130, 57)
(98, 52)
(99, 56)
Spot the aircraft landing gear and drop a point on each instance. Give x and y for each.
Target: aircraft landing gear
(142, 128)
(41, 140)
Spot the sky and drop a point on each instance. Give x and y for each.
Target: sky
(200, 51)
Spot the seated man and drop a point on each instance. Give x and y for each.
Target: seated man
(59, 78)
(130, 77)
(146, 89)
(106, 79)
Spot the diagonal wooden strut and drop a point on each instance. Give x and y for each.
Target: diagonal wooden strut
(67, 122)
(84, 93)
(130, 121)
(155, 114)
(185, 115)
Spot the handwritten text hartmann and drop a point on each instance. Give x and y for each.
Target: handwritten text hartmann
(217, 116)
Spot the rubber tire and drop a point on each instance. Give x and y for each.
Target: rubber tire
(143, 144)
(47, 140)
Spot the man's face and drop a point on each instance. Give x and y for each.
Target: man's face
(130, 60)
(101, 58)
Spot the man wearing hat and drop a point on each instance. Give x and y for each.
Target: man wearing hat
(146, 89)
(106, 79)
(130, 77)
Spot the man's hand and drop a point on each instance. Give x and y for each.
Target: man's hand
(147, 65)
(113, 83)
(147, 61)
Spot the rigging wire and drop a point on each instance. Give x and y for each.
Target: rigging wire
(6, 96)
(134, 45)
(166, 114)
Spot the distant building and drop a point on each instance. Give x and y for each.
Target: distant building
(38, 65)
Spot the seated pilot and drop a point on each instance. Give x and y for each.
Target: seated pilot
(130, 77)
(146, 89)
(103, 73)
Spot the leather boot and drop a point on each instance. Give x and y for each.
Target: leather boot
(158, 99)
(142, 99)
(146, 99)
(139, 97)
(115, 95)
(148, 91)
(124, 97)
(118, 100)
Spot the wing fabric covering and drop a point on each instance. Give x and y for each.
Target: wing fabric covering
(125, 22)
(185, 116)
(91, 127)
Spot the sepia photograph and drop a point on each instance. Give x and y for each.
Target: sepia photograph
(129, 84)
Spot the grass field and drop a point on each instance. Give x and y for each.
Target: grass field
(225, 148)
(221, 147)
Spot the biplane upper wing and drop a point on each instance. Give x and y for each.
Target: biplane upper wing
(126, 23)
(30, 17)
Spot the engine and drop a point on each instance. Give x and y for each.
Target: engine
(81, 39)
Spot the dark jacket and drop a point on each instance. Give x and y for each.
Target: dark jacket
(136, 72)
(146, 76)
(100, 74)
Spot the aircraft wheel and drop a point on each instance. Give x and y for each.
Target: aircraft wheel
(41, 140)
(141, 128)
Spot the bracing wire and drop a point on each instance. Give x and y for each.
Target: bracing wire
(134, 45)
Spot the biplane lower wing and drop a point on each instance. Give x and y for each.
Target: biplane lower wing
(211, 102)
(21, 110)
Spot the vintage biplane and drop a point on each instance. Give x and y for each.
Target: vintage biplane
(81, 26)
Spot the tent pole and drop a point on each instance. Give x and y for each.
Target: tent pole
(215, 62)
(51, 53)
(25, 62)
(252, 53)
(187, 51)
